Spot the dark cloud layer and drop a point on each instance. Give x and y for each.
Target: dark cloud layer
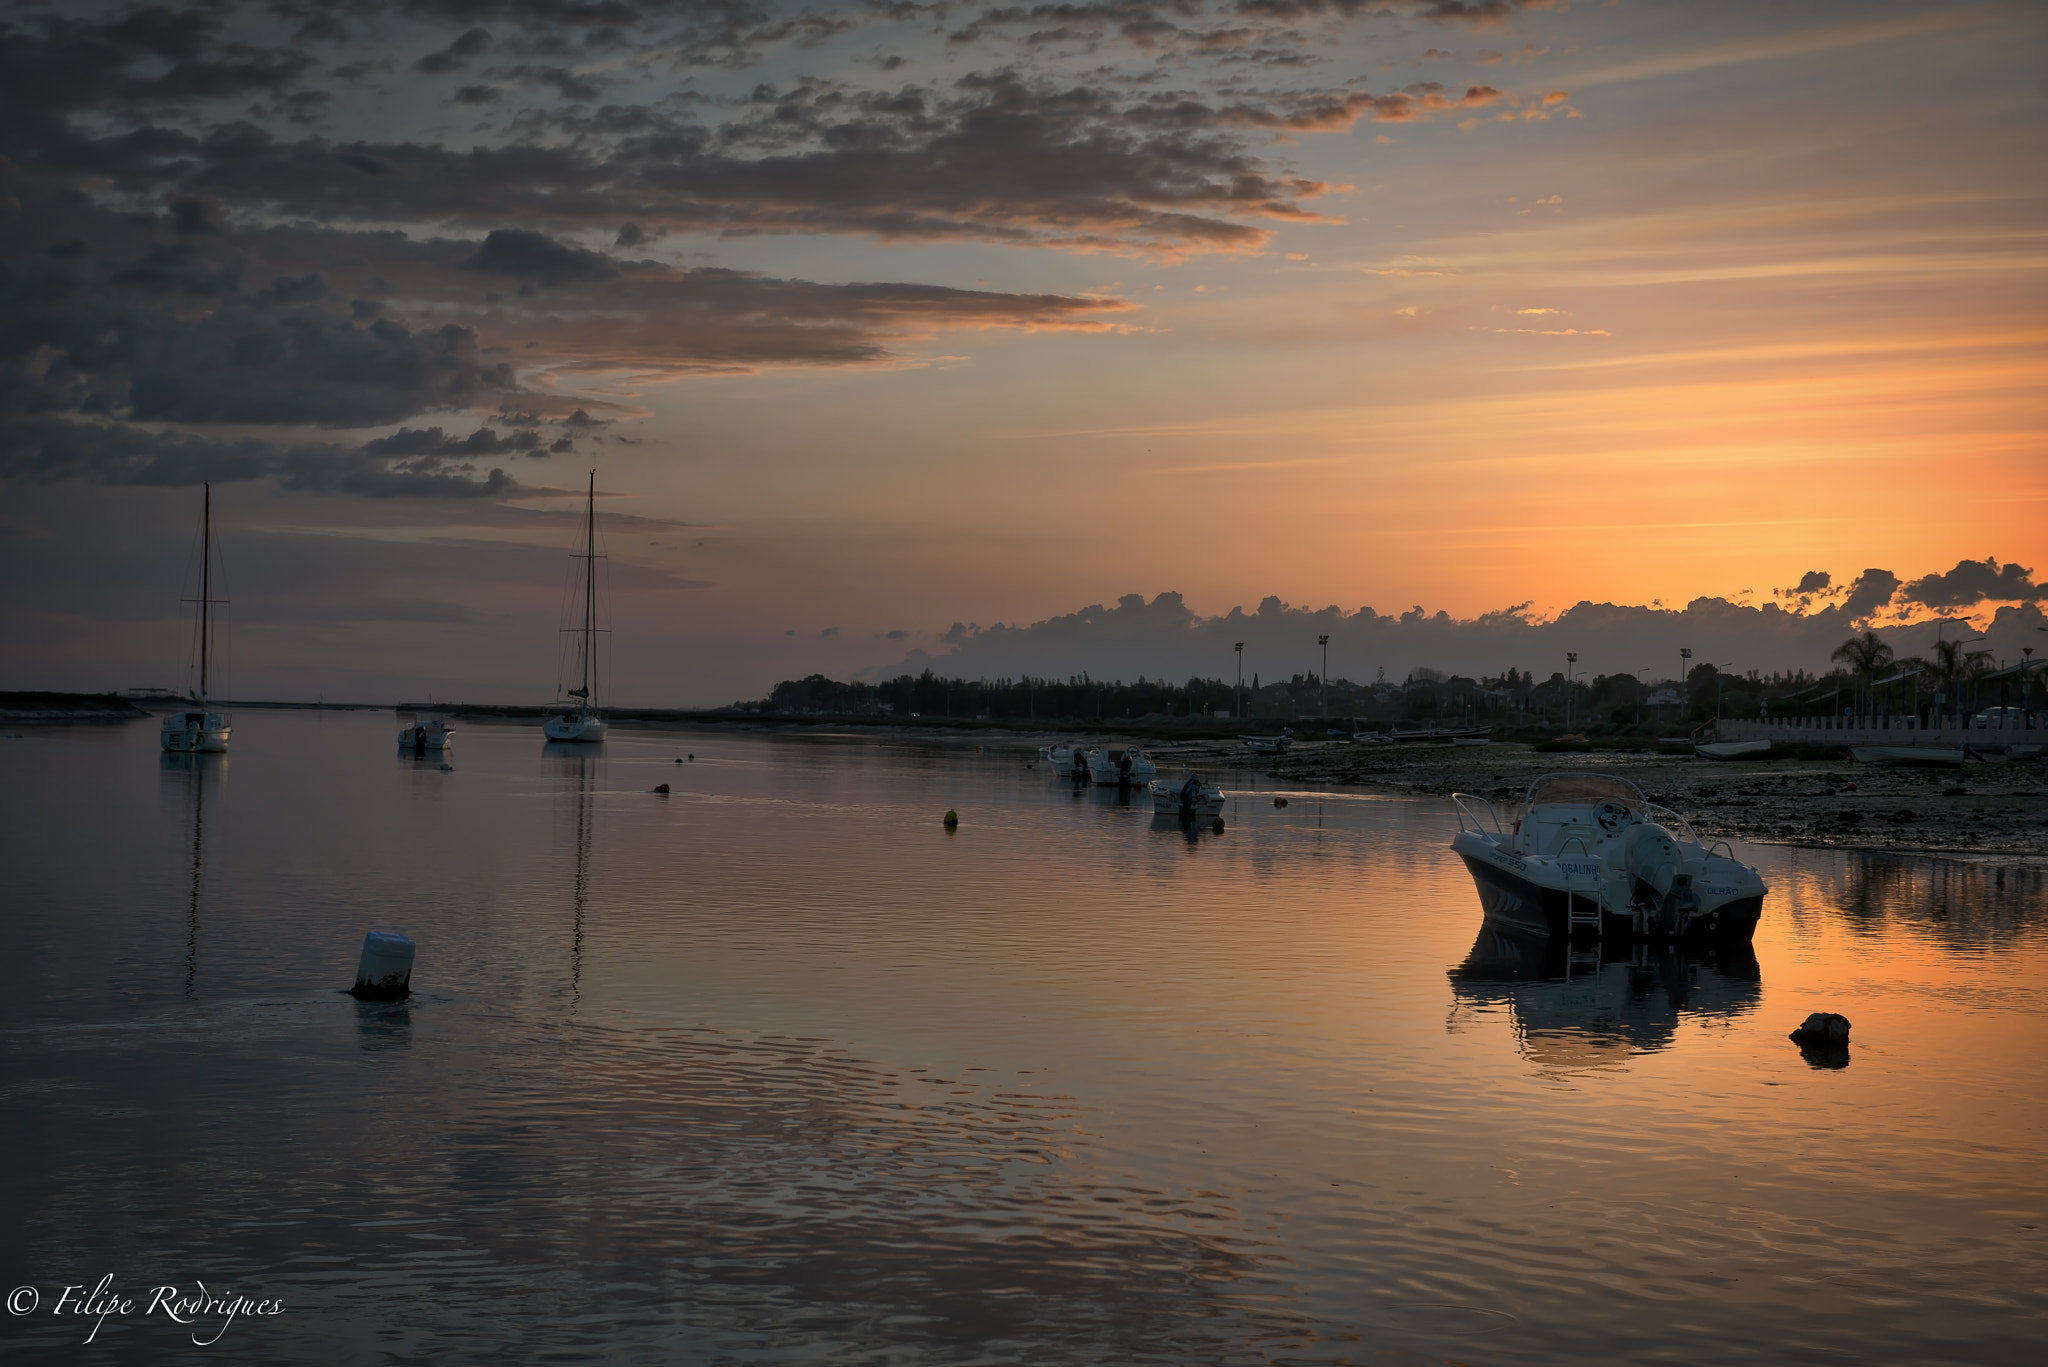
(1164, 638)
(181, 258)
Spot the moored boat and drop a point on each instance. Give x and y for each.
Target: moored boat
(1910, 754)
(574, 716)
(1193, 798)
(1731, 749)
(1269, 745)
(426, 733)
(1589, 855)
(1121, 766)
(198, 729)
(1067, 761)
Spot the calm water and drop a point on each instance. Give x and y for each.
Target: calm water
(776, 1069)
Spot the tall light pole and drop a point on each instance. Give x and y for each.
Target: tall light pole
(1323, 683)
(1684, 684)
(1717, 689)
(2027, 683)
(1240, 680)
(1571, 657)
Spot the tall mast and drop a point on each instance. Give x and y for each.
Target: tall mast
(589, 583)
(205, 589)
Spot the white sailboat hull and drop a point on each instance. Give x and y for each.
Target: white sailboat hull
(581, 727)
(205, 733)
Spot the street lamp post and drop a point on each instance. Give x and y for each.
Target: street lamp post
(1571, 657)
(1717, 690)
(1240, 680)
(1323, 681)
(1684, 684)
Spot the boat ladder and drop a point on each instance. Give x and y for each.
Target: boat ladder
(1581, 909)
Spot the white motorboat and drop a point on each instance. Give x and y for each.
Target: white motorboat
(1731, 749)
(426, 733)
(1589, 855)
(197, 729)
(1194, 798)
(1067, 761)
(1910, 754)
(1122, 767)
(574, 716)
(1269, 745)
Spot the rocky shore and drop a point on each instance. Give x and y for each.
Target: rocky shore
(1987, 808)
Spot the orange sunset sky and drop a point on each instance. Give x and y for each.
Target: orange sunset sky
(874, 321)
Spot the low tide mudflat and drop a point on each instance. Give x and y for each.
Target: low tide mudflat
(1985, 808)
(777, 1068)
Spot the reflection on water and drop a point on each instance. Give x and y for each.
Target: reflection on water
(189, 771)
(777, 1068)
(1577, 1007)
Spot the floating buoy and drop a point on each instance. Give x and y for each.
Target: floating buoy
(447, 768)
(1217, 825)
(384, 974)
(662, 789)
(952, 818)
(1279, 802)
(693, 757)
(679, 759)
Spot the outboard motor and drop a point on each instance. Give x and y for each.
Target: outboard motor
(1189, 791)
(1664, 895)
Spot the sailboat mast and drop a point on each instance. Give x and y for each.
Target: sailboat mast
(205, 588)
(589, 584)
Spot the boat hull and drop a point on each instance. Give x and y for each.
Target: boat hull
(1515, 902)
(1909, 754)
(576, 728)
(197, 738)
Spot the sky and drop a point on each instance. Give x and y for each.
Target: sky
(892, 329)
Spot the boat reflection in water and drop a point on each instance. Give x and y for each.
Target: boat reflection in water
(192, 769)
(1594, 1007)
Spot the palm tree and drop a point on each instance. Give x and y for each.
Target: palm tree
(1865, 654)
(1953, 664)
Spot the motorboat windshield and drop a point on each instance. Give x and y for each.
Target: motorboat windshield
(1589, 790)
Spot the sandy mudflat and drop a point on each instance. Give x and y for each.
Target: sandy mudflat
(1990, 808)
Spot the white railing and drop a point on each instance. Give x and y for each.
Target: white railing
(1466, 814)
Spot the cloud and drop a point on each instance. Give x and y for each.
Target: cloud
(49, 450)
(516, 252)
(1872, 591)
(1975, 581)
(457, 54)
(1810, 583)
(1165, 639)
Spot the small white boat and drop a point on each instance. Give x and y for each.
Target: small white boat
(426, 733)
(1067, 761)
(1732, 749)
(1269, 745)
(1910, 754)
(196, 729)
(1194, 798)
(1121, 767)
(1589, 855)
(575, 717)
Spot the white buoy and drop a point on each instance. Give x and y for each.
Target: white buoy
(385, 973)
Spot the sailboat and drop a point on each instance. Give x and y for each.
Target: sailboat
(196, 728)
(575, 717)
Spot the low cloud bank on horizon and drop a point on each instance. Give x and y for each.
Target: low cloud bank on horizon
(1166, 639)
